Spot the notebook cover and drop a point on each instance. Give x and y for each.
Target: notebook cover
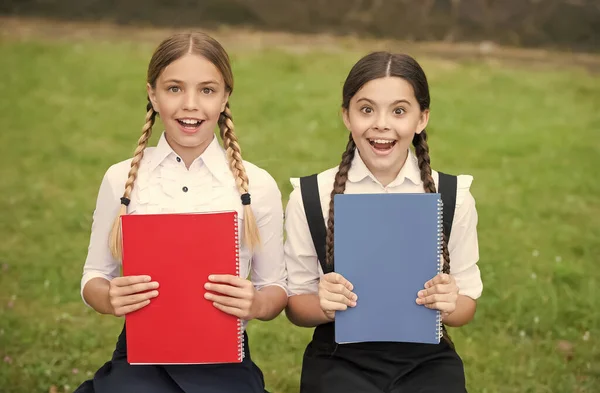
(388, 247)
(180, 251)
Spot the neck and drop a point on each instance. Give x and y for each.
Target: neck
(388, 175)
(189, 153)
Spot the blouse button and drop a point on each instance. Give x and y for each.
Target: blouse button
(178, 159)
(185, 189)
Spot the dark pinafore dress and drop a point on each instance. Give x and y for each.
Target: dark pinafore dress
(118, 376)
(377, 367)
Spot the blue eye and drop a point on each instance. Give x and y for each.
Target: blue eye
(174, 89)
(208, 90)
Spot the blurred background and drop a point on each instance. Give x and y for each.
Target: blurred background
(515, 89)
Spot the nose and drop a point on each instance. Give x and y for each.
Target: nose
(381, 123)
(190, 102)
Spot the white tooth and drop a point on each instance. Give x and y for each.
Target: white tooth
(382, 141)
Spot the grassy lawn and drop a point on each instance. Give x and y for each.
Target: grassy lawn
(530, 137)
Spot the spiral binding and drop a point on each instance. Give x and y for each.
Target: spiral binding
(440, 242)
(240, 328)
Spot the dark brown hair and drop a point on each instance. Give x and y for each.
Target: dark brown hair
(374, 66)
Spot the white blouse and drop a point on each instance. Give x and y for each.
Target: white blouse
(303, 268)
(165, 185)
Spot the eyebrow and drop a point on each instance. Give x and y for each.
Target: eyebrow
(177, 81)
(393, 103)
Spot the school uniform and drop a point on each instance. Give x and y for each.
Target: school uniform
(165, 185)
(377, 367)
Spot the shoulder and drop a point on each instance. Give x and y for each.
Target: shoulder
(325, 185)
(463, 188)
(260, 181)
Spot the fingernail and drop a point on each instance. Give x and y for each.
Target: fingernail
(418, 301)
(147, 278)
(207, 295)
(353, 304)
(207, 286)
(154, 293)
(211, 277)
(355, 297)
(421, 293)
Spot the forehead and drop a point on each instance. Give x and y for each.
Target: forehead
(385, 90)
(191, 68)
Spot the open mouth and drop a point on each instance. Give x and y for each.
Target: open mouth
(190, 125)
(382, 144)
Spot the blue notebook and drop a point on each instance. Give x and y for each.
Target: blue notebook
(388, 246)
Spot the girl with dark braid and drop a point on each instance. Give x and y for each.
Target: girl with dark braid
(385, 106)
(189, 83)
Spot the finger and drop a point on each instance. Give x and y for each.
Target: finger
(336, 278)
(134, 299)
(341, 289)
(446, 308)
(441, 278)
(327, 305)
(228, 290)
(227, 301)
(119, 312)
(338, 298)
(134, 288)
(439, 288)
(230, 310)
(437, 297)
(228, 279)
(129, 280)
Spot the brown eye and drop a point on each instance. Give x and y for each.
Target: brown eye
(207, 90)
(174, 89)
(367, 110)
(399, 111)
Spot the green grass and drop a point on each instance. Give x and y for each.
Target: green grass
(530, 137)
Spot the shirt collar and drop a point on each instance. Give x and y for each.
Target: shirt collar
(410, 170)
(213, 157)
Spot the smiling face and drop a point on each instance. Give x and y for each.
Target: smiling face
(383, 116)
(189, 94)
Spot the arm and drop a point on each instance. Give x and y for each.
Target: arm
(315, 298)
(305, 310)
(101, 288)
(456, 295)
(463, 314)
(302, 265)
(265, 296)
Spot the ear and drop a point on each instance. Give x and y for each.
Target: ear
(423, 121)
(225, 100)
(346, 118)
(152, 97)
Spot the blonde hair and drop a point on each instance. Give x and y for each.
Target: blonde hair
(168, 51)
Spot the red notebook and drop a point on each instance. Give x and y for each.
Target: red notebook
(180, 251)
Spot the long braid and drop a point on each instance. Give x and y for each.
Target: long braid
(234, 156)
(339, 186)
(115, 242)
(422, 153)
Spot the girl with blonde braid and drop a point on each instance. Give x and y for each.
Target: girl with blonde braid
(189, 83)
(385, 106)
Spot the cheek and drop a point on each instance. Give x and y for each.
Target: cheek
(359, 124)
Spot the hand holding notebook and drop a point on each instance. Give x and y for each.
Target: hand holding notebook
(232, 295)
(335, 294)
(440, 293)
